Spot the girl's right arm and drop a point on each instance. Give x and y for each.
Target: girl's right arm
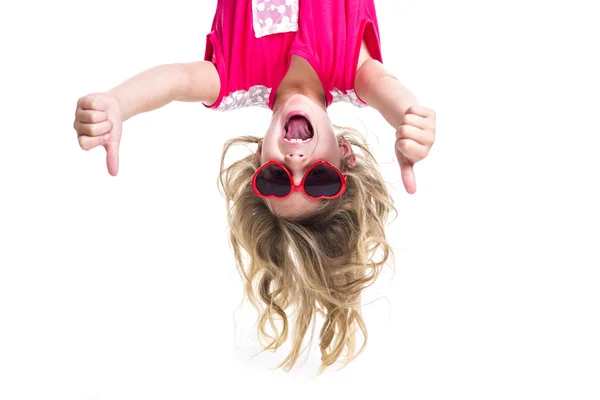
(99, 116)
(158, 86)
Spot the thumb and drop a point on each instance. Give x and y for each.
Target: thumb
(112, 158)
(408, 174)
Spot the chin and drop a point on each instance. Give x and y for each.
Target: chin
(304, 103)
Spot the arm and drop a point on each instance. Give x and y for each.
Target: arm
(99, 116)
(414, 124)
(384, 92)
(158, 86)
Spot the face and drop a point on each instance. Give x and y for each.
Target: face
(300, 118)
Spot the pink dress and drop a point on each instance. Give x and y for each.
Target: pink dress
(251, 43)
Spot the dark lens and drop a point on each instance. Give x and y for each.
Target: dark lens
(322, 180)
(273, 180)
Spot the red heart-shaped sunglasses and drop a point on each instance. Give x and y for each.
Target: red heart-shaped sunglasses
(321, 181)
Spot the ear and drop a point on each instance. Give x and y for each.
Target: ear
(346, 150)
(258, 152)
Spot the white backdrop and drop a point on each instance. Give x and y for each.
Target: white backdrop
(125, 287)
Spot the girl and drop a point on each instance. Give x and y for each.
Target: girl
(306, 212)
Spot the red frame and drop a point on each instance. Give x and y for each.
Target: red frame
(300, 187)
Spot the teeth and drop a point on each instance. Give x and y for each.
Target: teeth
(296, 140)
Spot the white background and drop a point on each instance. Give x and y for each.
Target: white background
(126, 288)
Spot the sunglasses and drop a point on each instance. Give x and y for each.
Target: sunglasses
(321, 181)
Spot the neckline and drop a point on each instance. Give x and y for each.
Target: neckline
(312, 62)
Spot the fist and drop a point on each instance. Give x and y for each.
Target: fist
(98, 122)
(414, 139)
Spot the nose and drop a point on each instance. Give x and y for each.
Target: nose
(295, 156)
(296, 161)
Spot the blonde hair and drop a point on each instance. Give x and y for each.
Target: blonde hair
(315, 264)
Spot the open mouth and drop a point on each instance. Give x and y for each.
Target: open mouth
(298, 129)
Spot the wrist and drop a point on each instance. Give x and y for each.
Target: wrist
(121, 110)
(125, 110)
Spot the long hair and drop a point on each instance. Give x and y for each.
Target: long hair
(313, 264)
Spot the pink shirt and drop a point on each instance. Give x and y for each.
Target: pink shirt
(251, 43)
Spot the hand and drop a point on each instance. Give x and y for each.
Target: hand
(98, 122)
(414, 139)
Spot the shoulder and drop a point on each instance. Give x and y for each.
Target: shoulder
(367, 71)
(371, 76)
(368, 67)
(203, 83)
(364, 55)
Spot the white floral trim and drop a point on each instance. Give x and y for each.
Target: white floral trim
(255, 96)
(279, 28)
(348, 97)
(267, 27)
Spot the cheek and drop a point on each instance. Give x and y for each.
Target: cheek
(275, 126)
(329, 151)
(268, 152)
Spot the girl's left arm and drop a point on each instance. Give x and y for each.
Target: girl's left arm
(414, 124)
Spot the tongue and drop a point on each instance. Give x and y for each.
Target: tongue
(298, 129)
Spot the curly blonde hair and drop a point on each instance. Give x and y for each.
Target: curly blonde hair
(314, 264)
